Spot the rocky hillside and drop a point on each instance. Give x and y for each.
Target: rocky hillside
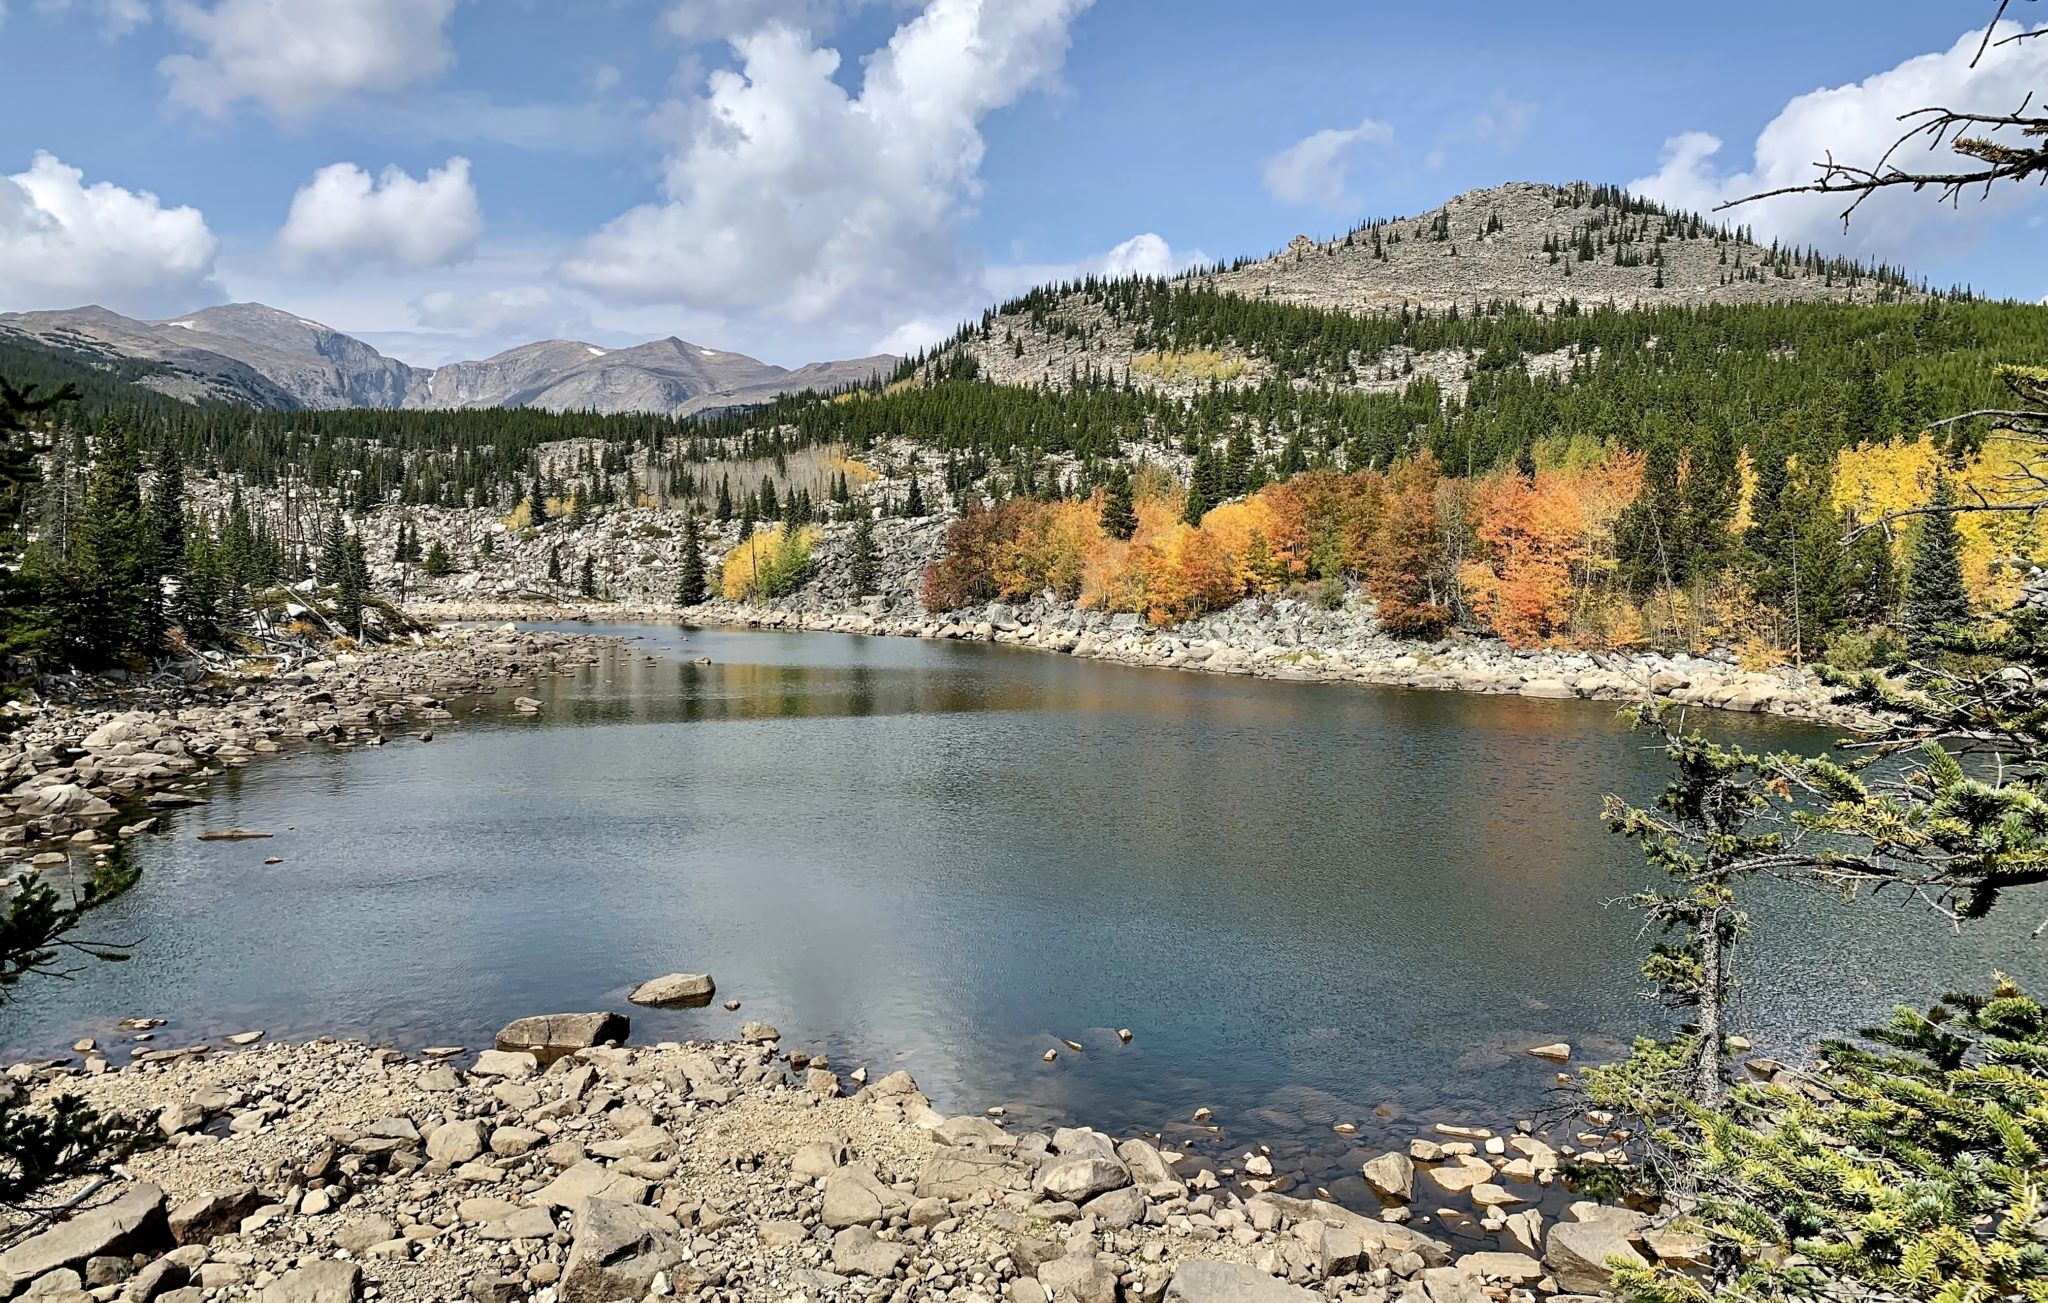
(1527, 243)
(258, 356)
(1522, 245)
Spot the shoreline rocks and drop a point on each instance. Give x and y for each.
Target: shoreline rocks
(81, 771)
(1271, 637)
(716, 1171)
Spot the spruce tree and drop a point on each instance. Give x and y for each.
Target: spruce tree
(691, 585)
(167, 510)
(438, 561)
(588, 585)
(536, 504)
(555, 563)
(861, 557)
(724, 510)
(110, 604)
(913, 502)
(1935, 598)
(1119, 508)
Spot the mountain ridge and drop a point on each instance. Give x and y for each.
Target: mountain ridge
(256, 355)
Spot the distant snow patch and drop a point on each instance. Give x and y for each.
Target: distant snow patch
(708, 352)
(594, 352)
(188, 325)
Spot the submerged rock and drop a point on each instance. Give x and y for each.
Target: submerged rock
(684, 990)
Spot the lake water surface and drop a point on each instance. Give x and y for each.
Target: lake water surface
(1309, 903)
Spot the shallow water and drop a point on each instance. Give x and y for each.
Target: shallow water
(1308, 902)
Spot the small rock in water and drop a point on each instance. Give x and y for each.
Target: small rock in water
(759, 1033)
(1203, 1114)
(1051, 1055)
(1075, 1046)
(732, 1006)
(244, 1038)
(1124, 1034)
(232, 835)
(675, 990)
(275, 859)
(1557, 1052)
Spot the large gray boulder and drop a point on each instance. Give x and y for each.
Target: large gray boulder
(855, 1196)
(1198, 1280)
(1577, 1253)
(965, 1173)
(132, 1222)
(551, 1036)
(1382, 1239)
(1081, 1177)
(616, 1251)
(198, 1219)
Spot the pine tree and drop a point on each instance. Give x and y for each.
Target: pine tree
(1119, 508)
(555, 563)
(861, 562)
(692, 586)
(913, 503)
(167, 510)
(438, 562)
(1935, 598)
(724, 511)
(333, 552)
(587, 585)
(110, 603)
(536, 503)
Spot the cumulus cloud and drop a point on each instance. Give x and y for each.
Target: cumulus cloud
(786, 194)
(64, 243)
(1500, 125)
(1313, 169)
(297, 56)
(1856, 123)
(343, 216)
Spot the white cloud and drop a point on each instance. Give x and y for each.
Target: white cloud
(787, 195)
(528, 311)
(723, 20)
(342, 217)
(1312, 169)
(1857, 123)
(64, 243)
(1500, 125)
(297, 56)
(117, 18)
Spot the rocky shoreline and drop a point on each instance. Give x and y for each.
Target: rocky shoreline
(330, 1172)
(104, 760)
(1271, 638)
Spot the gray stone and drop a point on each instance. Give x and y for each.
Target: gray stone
(1391, 1176)
(965, 1173)
(132, 1222)
(854, 1196)
(591, 1179)
(1081, 1177)
(514, 1065)
(156, 1280)
(677, 990)
(320, 1282)
(200, 1218)
(616, 1251)
(1078, 1278)
(551, 1036)
(455, 1143)
(857, 1252)
(1197, 1280)
(1117, 1209)
(1578, 1252)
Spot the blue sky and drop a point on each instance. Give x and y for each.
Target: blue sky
(808, 178)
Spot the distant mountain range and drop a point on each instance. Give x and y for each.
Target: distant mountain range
(255, 355)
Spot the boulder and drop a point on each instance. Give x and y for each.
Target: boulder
(513, 1065)
(677, 990)
(198, 1219)
(1078, 1278)
(857, 1252)
(1081, 1177)
(616, 1250)
(455, 1143)
(552, 1036)
(1391, 1176)
(1198, 1280)
(1578, 1252)
(591, 1179)
(1382, 1239)
(132, 1222)
(854, 1196)
(964, 1173)
(319, 1282)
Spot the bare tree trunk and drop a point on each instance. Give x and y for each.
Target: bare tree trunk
(1713, 987)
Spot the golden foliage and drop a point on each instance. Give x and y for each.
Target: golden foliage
(1876, 480)
(1196, 364)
